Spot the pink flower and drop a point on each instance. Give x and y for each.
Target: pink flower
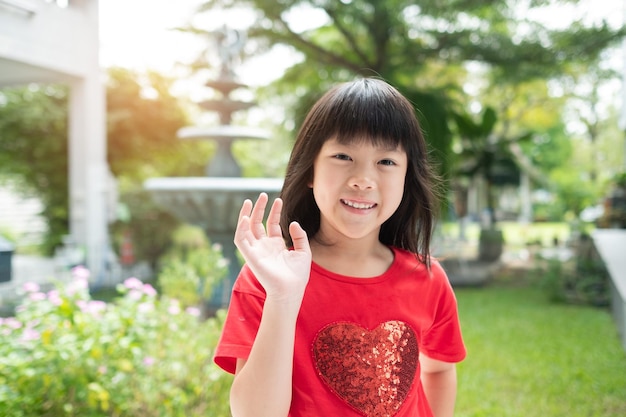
(193, 311)
(135, 295)
(148, 361)
(149, 290)
(133, 283)
(96, 307)
(31, 287)
(174, 308)
(79, 284)
(80, 272)
(37, 296)
(55, 298)
(93, 308)
(29, 334)
(12, 323)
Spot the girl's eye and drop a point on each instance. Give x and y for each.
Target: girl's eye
(387, 162)
(342, 156)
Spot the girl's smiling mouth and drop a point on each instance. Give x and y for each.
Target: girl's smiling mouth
(358, 205)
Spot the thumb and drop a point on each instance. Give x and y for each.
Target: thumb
(299, 238)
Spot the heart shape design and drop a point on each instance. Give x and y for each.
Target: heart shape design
(371, 370)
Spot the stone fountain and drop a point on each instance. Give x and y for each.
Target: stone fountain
(213, 202)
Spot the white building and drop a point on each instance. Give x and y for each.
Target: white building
(57, 41)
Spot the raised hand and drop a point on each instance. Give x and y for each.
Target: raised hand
(283, 273)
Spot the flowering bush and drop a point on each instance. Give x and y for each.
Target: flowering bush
(65, 354)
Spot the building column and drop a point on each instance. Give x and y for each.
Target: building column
(90, 181)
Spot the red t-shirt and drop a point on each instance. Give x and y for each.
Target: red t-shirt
(357, 340)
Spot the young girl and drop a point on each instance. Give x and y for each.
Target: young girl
(339, 310)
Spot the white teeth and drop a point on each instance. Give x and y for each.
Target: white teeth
(361, 206)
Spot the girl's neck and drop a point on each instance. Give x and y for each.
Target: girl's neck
(363, 260)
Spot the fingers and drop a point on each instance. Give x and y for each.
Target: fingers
(251, 219)
(299, 238)
(256, 217)
(243, 224)
(273, 219)
(245, 210)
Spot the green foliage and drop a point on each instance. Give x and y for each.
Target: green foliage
(420, 47)
(149, 226)
(554, 210)
(575, 191)
(192, 267)
(65, 354)
(142, 120)
(620, 180)
(485, 154)
(583, 280)
(550, 149)
(34, 151)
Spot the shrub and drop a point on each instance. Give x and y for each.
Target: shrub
(149, 226)
(584, 282)
(192, 267)
(65, 354)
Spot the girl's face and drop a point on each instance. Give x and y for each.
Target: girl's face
(357, 187)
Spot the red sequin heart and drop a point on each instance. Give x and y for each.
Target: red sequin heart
(371, 370)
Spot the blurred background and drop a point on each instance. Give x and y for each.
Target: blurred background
(523, 107)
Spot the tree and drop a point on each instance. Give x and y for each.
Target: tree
(488, 156)
(34, 151)
(143, 118)
(519, 108)
(482, 154)
(422, 47)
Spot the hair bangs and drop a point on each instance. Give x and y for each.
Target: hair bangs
(370, 111)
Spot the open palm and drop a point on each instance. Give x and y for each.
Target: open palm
(282, 272)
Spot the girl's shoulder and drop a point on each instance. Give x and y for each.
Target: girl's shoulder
(411, 262)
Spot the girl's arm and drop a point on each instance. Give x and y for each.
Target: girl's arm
(439, 382)
(263, 383)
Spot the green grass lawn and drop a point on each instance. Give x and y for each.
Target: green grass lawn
(528, 357)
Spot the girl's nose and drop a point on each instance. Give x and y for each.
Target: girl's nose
(362, 179)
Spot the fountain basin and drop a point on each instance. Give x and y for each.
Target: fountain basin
(222, 132)
(211, 203)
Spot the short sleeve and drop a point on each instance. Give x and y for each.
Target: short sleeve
(242, 321)
(443, 339)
